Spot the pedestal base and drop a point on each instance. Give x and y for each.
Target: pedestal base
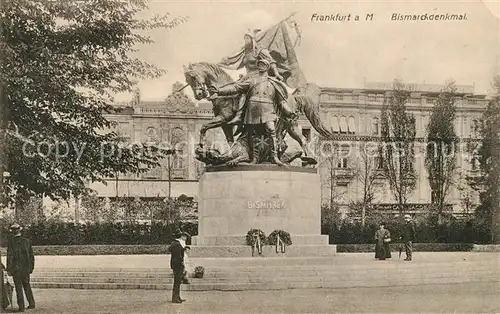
(241, 240)
(233, 200)
(293, 250)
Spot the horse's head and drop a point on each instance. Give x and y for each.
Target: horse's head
(196, 77)
(202, 75)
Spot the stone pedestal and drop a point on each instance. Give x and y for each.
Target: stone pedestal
(233, 200)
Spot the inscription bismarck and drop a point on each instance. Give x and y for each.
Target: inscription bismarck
(269, 204)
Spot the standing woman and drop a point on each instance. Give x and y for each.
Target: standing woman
(382, 238)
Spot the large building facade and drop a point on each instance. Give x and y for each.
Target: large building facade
(354, 118)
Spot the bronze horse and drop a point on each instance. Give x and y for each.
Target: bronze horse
(202, 75)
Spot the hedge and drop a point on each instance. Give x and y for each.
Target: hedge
(162, 249)
(97, 249)
(354, 233)
(59, 233)
(418, 247)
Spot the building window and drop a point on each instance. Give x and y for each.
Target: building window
(339, 97)
(342, 163)
(434, 197)
(375, 126)
(154, 173)
(476, 128)
(407, 166)
(343, 153)
(335, 124)
(351, 125)
(343, 125)
(474, 163)
(306, 132)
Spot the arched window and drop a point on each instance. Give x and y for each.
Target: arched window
(375, 126)
(343, 125)
(177, 142)
(351, 125)
(335, 124)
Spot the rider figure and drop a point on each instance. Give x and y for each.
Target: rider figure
(252, 53)
(265, 96)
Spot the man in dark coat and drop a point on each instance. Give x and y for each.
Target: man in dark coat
(176, 250)
(408, 236)
(20, 264)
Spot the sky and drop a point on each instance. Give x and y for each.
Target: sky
(335, 54)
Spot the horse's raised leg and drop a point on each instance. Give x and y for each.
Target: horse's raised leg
(228, 132)
(215, 123)
(292, 130)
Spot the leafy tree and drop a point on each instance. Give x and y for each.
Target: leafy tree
(487, 213)
(62, 62)
(468, 195)
(397, 150)
(441, 149)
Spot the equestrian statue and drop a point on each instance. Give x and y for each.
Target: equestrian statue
(256, 112)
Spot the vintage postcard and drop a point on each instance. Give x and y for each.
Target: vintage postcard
(250, 156)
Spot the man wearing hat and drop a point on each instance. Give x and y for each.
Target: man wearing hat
(20, 264)
(265, 96)
(408, 236)
(177, 249)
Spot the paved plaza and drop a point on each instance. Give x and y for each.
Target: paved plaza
(454, 298)
(163, 261)
(479, 295)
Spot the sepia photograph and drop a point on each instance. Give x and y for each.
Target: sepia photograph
(168, 156)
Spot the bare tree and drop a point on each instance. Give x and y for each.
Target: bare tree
(398, 136)
(366, 176)
(330, 177)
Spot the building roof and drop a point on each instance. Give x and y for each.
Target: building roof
(382, 88)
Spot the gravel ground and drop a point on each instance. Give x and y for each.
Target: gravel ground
(480, 297)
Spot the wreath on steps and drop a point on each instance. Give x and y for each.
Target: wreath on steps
(256, 238)
(198, 272)
(280, 239)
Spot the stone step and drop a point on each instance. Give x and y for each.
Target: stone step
(241, 286)
(263, 278)
(226, 251)
(244, 267)
(234, 273)
(240, 240)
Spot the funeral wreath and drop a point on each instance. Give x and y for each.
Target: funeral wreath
(256, 238)
(198, 272)
(280, 239)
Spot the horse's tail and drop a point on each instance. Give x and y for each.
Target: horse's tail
(308, 106)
